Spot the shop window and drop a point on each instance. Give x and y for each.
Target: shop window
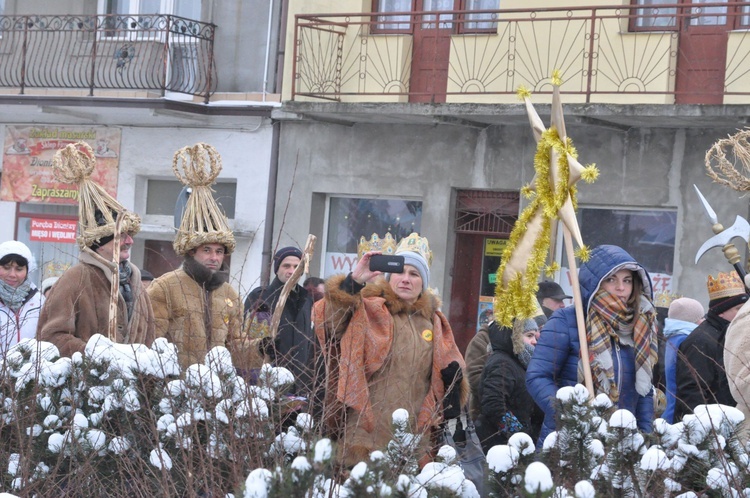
(648, 235)
(350, 218)
(162, 195)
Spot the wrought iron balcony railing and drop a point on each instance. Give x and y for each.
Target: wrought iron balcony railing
(616, 54)
(145, 52)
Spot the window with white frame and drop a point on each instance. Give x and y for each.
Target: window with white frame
(350, 218)
(162, 194)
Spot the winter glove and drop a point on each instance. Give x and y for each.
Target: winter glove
(509, 424)
(266, 347)
(452, 377)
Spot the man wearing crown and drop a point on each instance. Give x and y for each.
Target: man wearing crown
(387, 346)
(700, 376)
(294, 345)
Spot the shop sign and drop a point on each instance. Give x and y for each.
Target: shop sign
(27, 174)
(51, 230)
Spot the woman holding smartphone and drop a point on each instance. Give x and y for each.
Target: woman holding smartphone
(387, 346)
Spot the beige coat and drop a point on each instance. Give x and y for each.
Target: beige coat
(737, 364)
(196, 320)
(77, 307)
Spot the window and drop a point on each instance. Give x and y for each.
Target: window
(480, 22)
(655, 17)
(444, 20)
(390, 22)
(132, 9)
(648, 235)
(162, 195)
(350, 218)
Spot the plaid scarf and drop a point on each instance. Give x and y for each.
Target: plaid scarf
(607, 316)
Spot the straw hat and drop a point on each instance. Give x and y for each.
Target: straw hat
(97, 209)
(202, 222)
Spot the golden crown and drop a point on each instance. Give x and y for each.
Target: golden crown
(386, 245)
(664, 299)
(724, 285)
(417, 244)
(54, 269)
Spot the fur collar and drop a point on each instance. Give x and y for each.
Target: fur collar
(209, 280)
(427, 303)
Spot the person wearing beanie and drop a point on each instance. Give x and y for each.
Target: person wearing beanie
(294, 347)
(684, 315)
(79, 305)
(195, 307)
(620, 327)
(20, 300)
(700, 376)
(387, 346)
(506, 405)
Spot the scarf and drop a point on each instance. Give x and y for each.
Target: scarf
(525, 356)
(210, 280)
(610, 319)
(14, 297)
(125, 290)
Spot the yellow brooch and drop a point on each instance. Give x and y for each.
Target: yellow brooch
(229, 303)
(427, 335)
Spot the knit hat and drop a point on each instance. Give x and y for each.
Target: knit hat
(97, 210)
(284, 253)
(48, 282)
(146, 275)
(725, 291)
(202, 222)
(686, 309)
(416, 252)
(20, 249)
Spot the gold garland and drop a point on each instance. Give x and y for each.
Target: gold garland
(518, 298)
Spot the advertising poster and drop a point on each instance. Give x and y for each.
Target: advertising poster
(27, 162)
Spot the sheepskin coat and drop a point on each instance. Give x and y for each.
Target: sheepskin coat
(198, 310)
(77, 307)
(382, 354)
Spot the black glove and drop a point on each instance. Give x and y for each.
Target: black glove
(266, 347)
(452, 378)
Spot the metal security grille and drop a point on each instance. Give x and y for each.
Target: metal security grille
(486, 212)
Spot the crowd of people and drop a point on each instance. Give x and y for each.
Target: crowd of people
(367, 343)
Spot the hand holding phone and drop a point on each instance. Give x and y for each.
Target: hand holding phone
(387, 263)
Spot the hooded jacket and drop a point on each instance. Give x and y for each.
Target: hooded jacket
(555, 361)
(197, 310)
(502, 388)
(77, 307)
(16, 326)
(675, 332)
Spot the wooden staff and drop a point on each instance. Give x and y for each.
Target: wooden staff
(289, 285)
(578, 303)
(114, 291)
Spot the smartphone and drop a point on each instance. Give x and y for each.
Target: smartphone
(387, 263)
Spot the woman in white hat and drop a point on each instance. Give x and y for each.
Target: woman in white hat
(20, 300)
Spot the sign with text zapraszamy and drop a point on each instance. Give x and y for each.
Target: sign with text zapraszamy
(27, 162)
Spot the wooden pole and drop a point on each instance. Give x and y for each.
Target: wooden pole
(289, 285)
(114, 291)
(578, 303)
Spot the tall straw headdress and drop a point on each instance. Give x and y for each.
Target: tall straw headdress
(202, 222)
(96, 208)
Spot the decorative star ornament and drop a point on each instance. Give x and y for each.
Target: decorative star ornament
(553, 196)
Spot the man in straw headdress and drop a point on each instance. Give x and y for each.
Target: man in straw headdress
(78, 306)
(195, 307)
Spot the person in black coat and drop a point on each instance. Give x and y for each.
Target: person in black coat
(700, 376)
(506, 405)
(294, 347)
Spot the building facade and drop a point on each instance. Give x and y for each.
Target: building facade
(402, 114)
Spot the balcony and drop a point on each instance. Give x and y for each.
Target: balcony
(619, 54)
(107, 55)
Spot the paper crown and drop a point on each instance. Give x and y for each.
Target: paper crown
(54, 269)
(664, 299)
(202, 221)
(74, 164)
(724, 285)
(415, 243)
(386, 245)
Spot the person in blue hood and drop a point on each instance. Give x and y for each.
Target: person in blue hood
(622, 340)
